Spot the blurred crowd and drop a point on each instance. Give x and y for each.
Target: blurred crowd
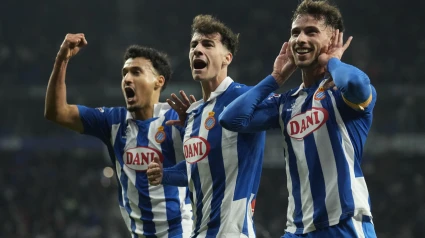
(52, 180)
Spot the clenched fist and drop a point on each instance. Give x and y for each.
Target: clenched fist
(71, 46)
(154, 172)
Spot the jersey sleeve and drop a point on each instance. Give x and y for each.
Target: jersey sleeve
(356, 89)
(255, 110)
(95, 121)
(175, 175)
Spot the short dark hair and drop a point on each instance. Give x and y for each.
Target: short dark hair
(207, 24)
(159, 60)
(321, 9)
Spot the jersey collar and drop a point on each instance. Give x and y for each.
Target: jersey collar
(224, 85)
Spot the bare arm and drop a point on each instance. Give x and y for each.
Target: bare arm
(57, 108)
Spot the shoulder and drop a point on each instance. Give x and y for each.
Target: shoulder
(237, 89)
(114, 114)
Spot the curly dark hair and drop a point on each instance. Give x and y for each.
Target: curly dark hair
(207, 24)
(321, 9)
(159, 60)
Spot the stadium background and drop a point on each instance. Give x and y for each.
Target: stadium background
(54, 182)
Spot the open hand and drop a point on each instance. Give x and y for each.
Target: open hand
(336, 49)
(284, 65)
(180, 106)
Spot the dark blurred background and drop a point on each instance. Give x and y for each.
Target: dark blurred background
(56, 183)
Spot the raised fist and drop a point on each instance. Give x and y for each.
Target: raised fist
(71, 46)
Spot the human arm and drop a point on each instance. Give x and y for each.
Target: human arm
(250, 112)
(354, 84)
(57, 108)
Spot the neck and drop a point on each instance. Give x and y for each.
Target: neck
(311, 75)
(146, 112)
(209, 86)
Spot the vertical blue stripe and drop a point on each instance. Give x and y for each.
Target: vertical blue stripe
(293, 170)
(315, 173)
(215, 161)
(195, 172)
(171, 193)
(250, 161)
(344, 180)
(199, 197)
(317, 182)
(119, 151)
(142, 184)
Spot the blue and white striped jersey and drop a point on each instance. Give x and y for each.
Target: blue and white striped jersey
(323, 147)
(223, 167)
(324, 132)
(148, 211)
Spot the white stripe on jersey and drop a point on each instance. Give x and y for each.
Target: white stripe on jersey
(299, 151)
(132, 193)
(329, 169)
(185, 208)
(291, 203)
(205, 174)
(358, 225)
(114, 131)
(156, 193)
(358, 185)
(229, 138)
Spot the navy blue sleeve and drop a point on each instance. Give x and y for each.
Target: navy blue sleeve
(176, 175)
(353, 83)
(253, 111)
(95, 121)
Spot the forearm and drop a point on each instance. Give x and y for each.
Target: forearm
(241, 114)
(353, 83)
(176, 175)
(56, 91)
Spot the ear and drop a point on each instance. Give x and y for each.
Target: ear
(228, 57)
(160, 80)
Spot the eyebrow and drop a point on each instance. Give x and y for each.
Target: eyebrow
(126, 69)
(305, 28)
(202, 40)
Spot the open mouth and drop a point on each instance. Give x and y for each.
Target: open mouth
(303, 51)
(129, 93)
(199, 64)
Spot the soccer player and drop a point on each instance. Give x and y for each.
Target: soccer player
(133, 136)
(324, 128)
(222, 168)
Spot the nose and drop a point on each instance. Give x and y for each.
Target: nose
(197, 51)
(301, 39)
(128, 79)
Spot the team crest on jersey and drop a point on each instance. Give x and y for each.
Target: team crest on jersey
(100, 109)
(195, 149)
(303, 124)
(210, 121)
(139, 158)
(160, 135)
(320, 94)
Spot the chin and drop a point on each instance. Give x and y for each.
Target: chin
(132, 108)
(304, 64)
(198, 78)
